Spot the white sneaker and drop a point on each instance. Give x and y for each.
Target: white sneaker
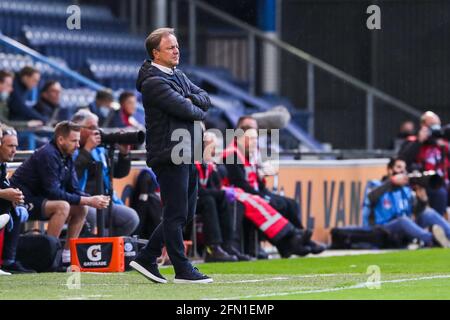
(4, 273)
(4, 219)
(439, 236)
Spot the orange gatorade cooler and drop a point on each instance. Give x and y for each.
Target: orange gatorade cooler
(98, 254)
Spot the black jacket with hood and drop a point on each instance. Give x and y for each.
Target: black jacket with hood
(171, 102)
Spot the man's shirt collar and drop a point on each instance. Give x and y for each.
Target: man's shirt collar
(163, 68)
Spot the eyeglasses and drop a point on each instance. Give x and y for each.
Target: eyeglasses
(9, 132)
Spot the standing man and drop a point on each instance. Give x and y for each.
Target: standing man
(172, 102)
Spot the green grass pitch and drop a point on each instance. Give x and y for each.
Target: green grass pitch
(421, 274)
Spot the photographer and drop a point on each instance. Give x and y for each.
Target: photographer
(125, 220)
(394, 205)
(429, 150)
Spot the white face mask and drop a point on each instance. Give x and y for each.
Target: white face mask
(104, 110)
(4, 96)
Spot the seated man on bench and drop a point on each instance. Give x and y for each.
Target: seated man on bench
(49, 183)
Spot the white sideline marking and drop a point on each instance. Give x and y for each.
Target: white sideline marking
(356, 286)
(87, 297)
(288, 278)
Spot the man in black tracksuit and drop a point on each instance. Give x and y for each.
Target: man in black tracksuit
(11, 202)
(172, 104)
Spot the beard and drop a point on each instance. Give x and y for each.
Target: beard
(67, 150)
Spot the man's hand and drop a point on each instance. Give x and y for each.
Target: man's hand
(423, 134)
(93, 141)
(124, 149)
(12, 194)
(421, 193)
(35, 123)
(22, 213)
(268, 169)
(230, 194)
(99, 202)
(400, 180)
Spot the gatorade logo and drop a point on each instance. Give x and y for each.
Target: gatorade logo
(94, 253)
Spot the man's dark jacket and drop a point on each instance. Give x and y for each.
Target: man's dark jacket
(48, 174)
(46, 109)
(18, 109)
(167, 109)
(5, 205)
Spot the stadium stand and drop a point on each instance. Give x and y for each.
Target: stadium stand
(106, 52)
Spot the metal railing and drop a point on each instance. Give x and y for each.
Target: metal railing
(139, 156)
(312, 63)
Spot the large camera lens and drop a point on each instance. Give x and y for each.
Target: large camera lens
(130, 137)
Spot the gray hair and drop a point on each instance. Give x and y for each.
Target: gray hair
(82, 115)
(154, 39)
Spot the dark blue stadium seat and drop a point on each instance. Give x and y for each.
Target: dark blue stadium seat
(76, 47)
(53, 14)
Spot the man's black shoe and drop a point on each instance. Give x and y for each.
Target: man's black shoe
(16, 268)
(316, 248)
(301, 250)
(192, 276)
(148, 270)
(63, 267)
(241, 256)
(294, 245)
(217, 254)
(306, 236)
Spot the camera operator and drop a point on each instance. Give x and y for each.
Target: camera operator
(400, 210)
(125, 220)
(429, 150)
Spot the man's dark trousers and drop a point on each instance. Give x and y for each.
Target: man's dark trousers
(11, 240)
(178, 186)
